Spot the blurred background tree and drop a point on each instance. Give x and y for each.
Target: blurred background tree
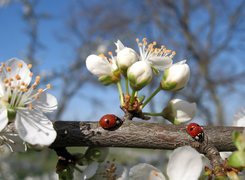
(57, 37)
(208, 34)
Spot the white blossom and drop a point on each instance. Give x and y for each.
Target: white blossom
(24, 105)
(145, 171)
(157, 58)
(139, 75)
(179, 111)
(176, 77)
(185, 163)
(125, 56)
(104, 68)
(151, 59)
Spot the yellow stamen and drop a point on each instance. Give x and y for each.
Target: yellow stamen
(20, 65)
(29, 66)
(37, 80)
(17, 77)
(6, 81)
(102, 55)
(30, 106)
(8, 69)
(48, 86)
(40, 91)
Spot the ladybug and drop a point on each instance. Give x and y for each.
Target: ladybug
(110, 122)
(195, 131)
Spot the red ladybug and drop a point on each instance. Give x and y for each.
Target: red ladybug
(110, 122)
(195, 131)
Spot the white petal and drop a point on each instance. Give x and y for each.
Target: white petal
(119, 45)
(161, 63)
(225, 155)
(98, 65)
(3, 118)
(35, 128)
(145, 171)
(124, 175)
(182, 62)
(185, 163)
(46, 103)
(240, 122)
(139, 75)
(90, 170)
(23, 72)
(1, 88)
(185, 111)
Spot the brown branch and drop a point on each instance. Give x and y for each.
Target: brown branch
(137, 135)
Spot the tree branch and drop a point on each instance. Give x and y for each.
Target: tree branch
(138, 135)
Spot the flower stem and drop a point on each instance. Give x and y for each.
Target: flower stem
(132, 97)
(126, 85)
(151, 96)
(119, 87)
(152, 114)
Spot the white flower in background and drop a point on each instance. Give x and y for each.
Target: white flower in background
(125, 56)
(239, 119)
(185, 163)
(176, 77)
(105, 69)
(179, 111)
(152, 59)
(145, 171)
(24, 105)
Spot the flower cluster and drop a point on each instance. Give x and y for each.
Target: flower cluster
(137, 71)
(24, 105)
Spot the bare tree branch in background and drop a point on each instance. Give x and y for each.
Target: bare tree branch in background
(200, 25)
(32, 20)
(198, 30)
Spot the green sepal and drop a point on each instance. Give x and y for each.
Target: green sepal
(155, 70)
(239, 140)
(141, 98)
(138, 86)
(11, 114)
(97, 154)
(168, 114)
(168, 86)
(66, 173)
(107, 80)
(237, 159)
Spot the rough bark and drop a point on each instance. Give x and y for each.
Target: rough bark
(138, 135)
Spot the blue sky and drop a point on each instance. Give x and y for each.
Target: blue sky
(14, 41)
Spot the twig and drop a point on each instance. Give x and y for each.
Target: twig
(138, 135)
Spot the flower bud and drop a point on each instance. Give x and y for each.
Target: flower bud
(176, 77)
(139, 75)
(179, 111)
(125, 58)
(105, 69)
